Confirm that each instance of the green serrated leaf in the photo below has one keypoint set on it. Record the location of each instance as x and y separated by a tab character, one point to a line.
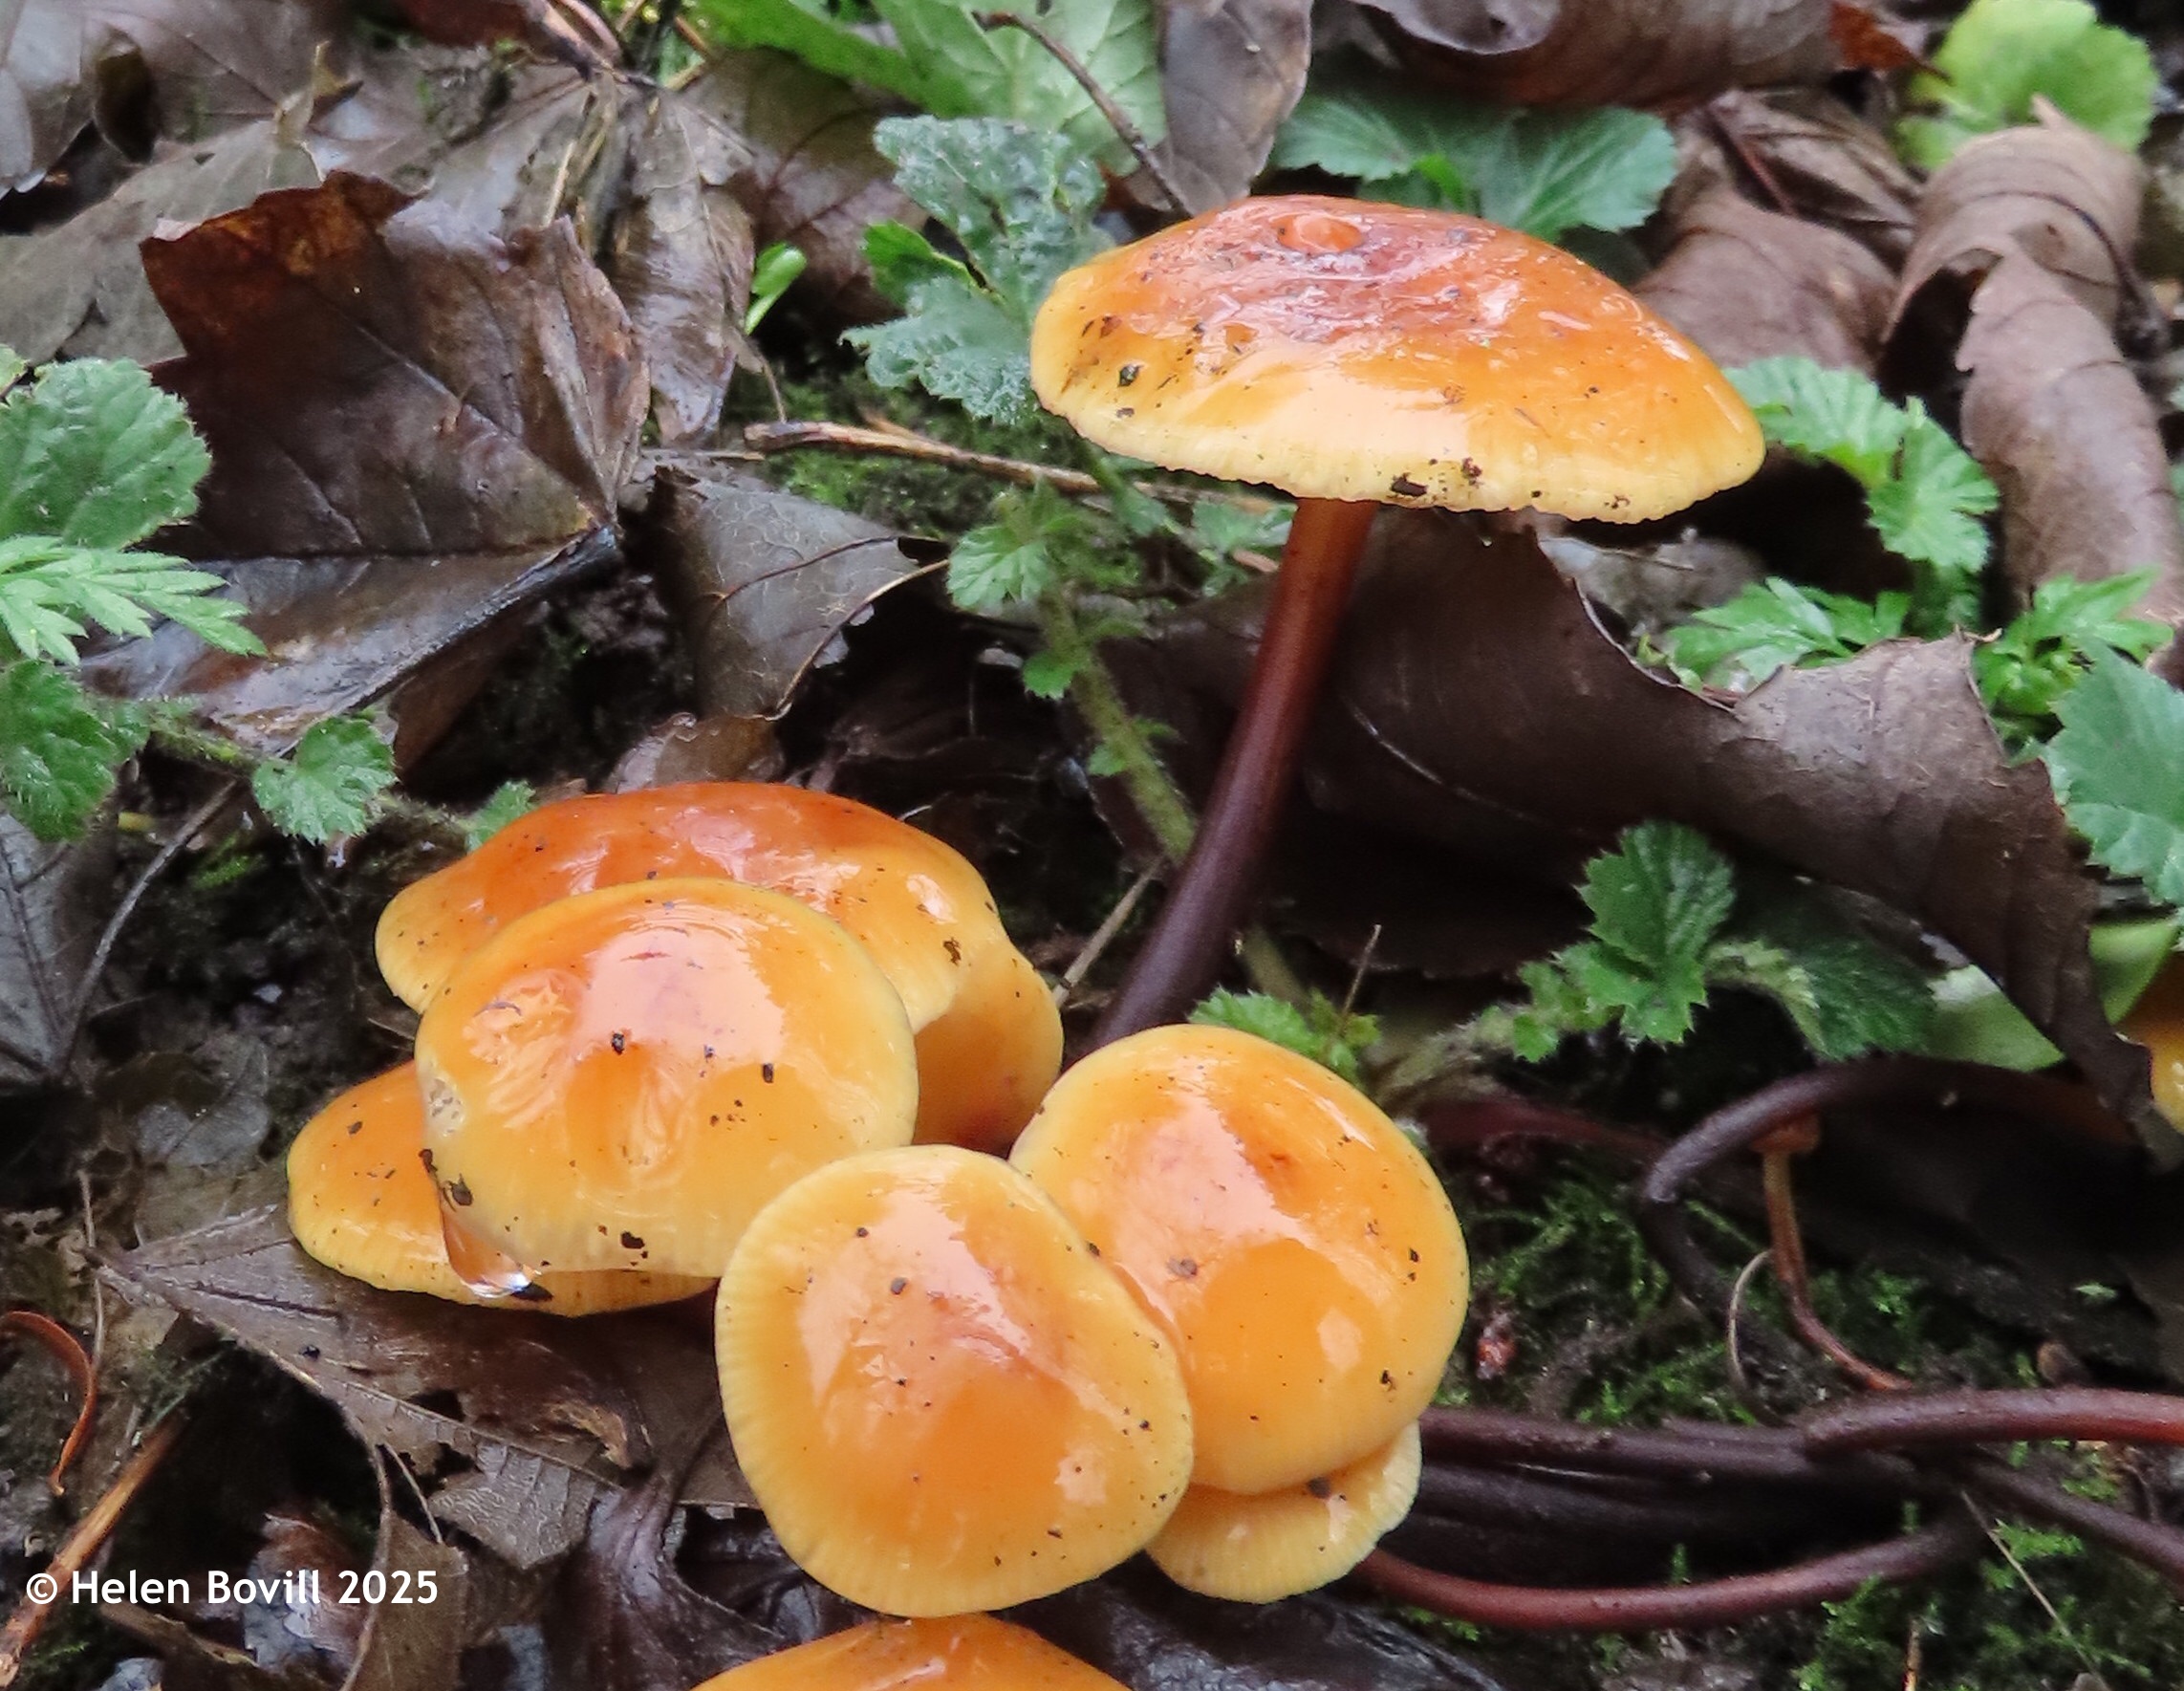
1544	172
1048	675
965	71
11	368
328	785
1014	559
60	748
806	31
2117	766
1323	1033
1848	994
1837	416
510	801
1660	895
94	455
48	588
1777	625
957	342
2001	54
1928	512
2023	672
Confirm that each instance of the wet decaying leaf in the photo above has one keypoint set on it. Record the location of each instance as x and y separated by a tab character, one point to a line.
45	99
1612	52
597	1399
770	582
1475	701
685	747
1830	164
563	29
415	427
1748	284
682	263
54	899
205	66
809	173
2062	196
2059	422
1230	72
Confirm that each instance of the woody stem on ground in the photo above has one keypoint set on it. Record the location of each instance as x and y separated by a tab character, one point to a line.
193	743
1155	794
1184	953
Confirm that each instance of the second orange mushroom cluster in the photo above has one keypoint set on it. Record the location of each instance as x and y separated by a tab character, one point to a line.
1197	1311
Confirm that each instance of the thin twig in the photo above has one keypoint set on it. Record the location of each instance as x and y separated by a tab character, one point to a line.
1102	936
103	952
795	435
82	1544
1116	117
2086	1414
1791	1274
66	1348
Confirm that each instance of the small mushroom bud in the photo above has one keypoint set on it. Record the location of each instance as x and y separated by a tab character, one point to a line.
940	1398
989	1040
1294	1245
1253	1550
960	1653
360	1201
623	1079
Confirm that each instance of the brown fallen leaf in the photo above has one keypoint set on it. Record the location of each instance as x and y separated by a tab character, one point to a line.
681	262
1230	72
2059	422
2057	193
685	747
1748	284
54	899
1476	702
547	1411
44	96
808	174
564	28
1829	163
205	66
1612	52
415	427
768	582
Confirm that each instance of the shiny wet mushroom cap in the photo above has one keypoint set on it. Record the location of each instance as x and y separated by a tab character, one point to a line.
1355	352
940	1398
959	1652
1254	1549
989	1040
624	1078
1298	1250
360	1201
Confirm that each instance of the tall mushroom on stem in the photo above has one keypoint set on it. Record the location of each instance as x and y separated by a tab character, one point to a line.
1356	356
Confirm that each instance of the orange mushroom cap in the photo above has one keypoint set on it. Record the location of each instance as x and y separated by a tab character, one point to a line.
360	1201
1297	1249
1253	1550
624	1078
918	906
941	1400
960	1653
1358	352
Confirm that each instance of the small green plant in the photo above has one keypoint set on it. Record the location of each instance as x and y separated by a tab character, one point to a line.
93	459
2040	655
771	274
2117	766
1663	938
2002	55
1543	172
1777	625
1321	1030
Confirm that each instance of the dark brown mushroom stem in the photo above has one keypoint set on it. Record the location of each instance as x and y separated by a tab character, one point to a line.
1956	1537
1785	1249
1181	956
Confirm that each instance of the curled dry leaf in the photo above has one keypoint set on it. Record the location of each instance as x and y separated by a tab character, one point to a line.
1612	52
681	262
1829	163
1748	284
44	96
2059	421
768	582
415	427
548	1410
2060	195
1230	72
808	174
54	899
1475	701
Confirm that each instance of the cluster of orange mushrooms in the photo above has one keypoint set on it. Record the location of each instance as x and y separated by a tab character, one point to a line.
775	1038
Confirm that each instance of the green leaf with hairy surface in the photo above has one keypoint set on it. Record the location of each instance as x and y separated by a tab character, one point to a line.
2026	669
1838	415
11	368
510	802
1321	1031
1848	994
1777	625
965	71
94	455
2117	766
60	748
1012	559
326	785
1048	674
1660	895
957	342
50	589
806	31
2000	55
1543	172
